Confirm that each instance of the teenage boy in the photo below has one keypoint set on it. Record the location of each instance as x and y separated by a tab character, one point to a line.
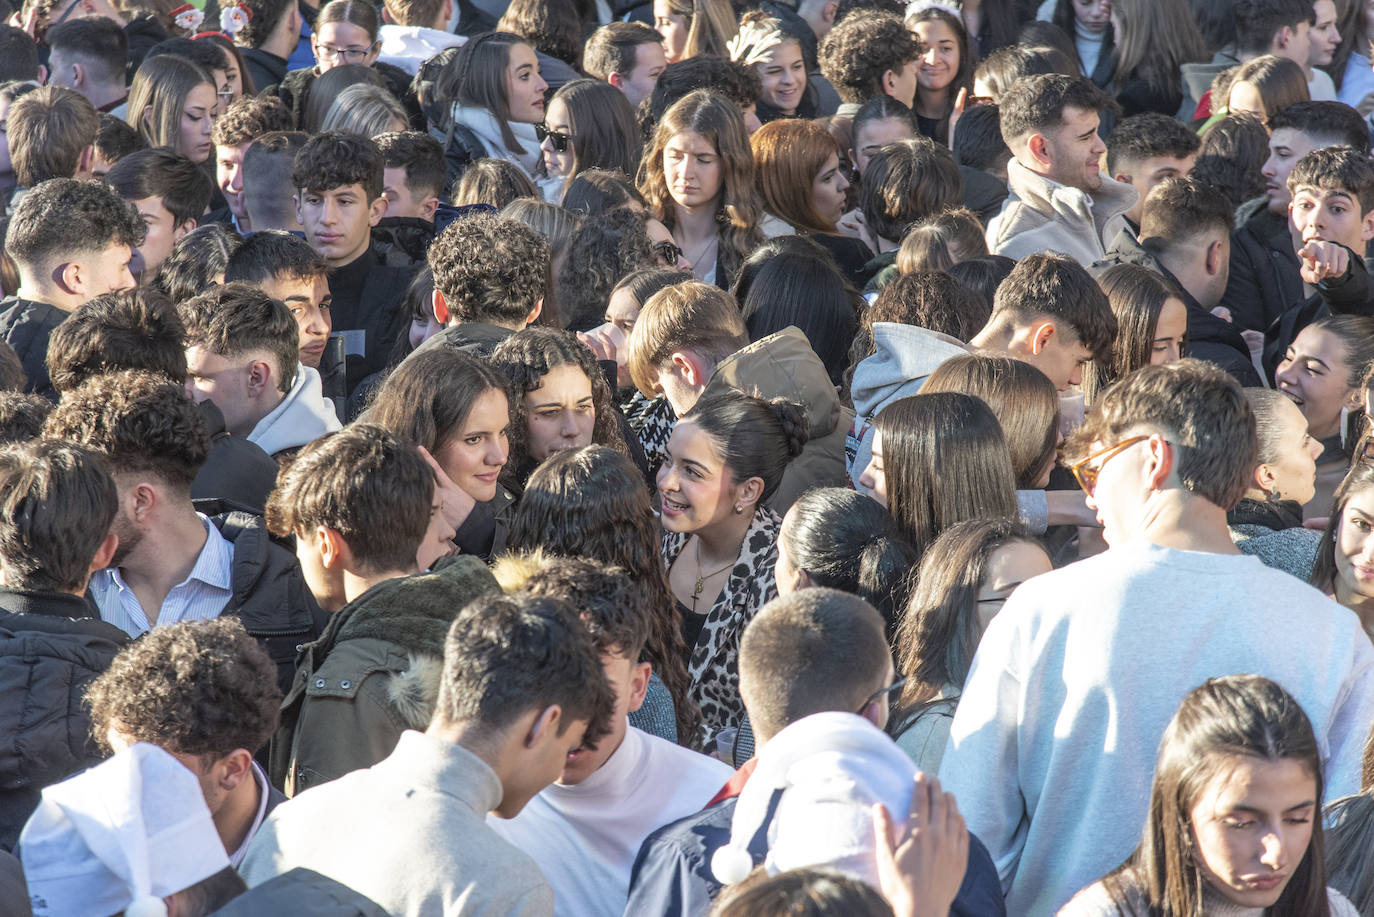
585	829
286	268
413	31
89	56
365	512
521	687
338	179
870	53
56	505
412	184
51	135
268	194
1050	313
1060	201
205	693
1264	279
267	39
629	56
243	122
170	193
1277	27
1144	150
70	241
242	353
174	564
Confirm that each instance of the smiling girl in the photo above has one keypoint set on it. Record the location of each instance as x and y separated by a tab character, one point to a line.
777	53
945	67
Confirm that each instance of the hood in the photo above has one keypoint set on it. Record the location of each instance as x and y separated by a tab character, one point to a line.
304	415
408	46
783	365
903	356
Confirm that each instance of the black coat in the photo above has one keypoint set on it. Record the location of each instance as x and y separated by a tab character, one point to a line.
237	473
1349	294
1264	280
26	326
265	69
52	646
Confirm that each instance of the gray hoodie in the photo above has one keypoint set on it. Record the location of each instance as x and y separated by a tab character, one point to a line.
304	415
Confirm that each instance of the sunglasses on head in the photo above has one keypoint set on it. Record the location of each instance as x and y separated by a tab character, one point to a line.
667	252
560	140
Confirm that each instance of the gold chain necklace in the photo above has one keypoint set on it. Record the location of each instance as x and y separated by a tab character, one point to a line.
702	578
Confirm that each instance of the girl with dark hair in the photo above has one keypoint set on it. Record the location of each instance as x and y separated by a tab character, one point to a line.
946	68
837	538
724	460
1233	151
554	29
622	311
776	49
559	400
878	122
589	125
1234	821
1152	326
593	191
1153	39
962	583
1089	24
918	442
591	502
494	182
1265	86
1343	556
990	24
172	103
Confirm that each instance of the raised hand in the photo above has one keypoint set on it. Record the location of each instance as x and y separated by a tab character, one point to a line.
920	873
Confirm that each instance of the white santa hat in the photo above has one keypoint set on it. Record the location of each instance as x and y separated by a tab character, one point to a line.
120	837
831	768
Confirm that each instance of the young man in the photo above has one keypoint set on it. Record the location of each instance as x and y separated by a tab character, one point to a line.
814	651
245	120
628	55
412	183
689	340
56	505
242	353
338	179
89	56
1264	279
1144	150
286	268
521	687
266	41
585	828
205	693
51	135
413	31
139	329
170	193
1163	456
1052	314
1185	237
70	241
1278	27
268	194
173	563
1059	200
365	511
904	182
22	417
869	54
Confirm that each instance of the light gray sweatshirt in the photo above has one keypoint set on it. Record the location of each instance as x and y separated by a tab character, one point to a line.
1052	750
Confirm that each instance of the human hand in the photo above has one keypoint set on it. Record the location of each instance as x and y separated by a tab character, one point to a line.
1323	260
921	873
454	502
1366	106
852	225
607	342
753	44
959	102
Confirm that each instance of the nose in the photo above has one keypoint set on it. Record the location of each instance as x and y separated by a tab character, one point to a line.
496	455
236	179
568	429
547	145
543	86
841	183
1283	375
1076	374
1270	168
867	479
667	479
1275	854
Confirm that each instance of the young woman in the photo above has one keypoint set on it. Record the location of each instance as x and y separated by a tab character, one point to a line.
918	443
497	98
496	182
839	539
622	311
693	28
455	405
1234	824
554	29
1322	373
939	242
1265	85
801	183
1152	326
589	125
1344	568
724	460
1154	39
698	178
559	400
591	502
1268	520
1231	157
962	583
991	24
172	104
1089	24
878	122
946	69
775	49
366	111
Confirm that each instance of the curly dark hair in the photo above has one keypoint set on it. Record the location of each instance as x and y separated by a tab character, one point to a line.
63	215
250	117
525	358
490	269
610	601
132	329
236	318
334	159
858	51
141	422
201	688
22	416
606	248
196	260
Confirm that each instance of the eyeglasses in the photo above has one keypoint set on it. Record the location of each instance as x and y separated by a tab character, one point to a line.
883	693
347	55
559	139
1087	477
667	252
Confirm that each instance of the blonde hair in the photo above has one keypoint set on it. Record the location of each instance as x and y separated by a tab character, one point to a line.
710	24
158	96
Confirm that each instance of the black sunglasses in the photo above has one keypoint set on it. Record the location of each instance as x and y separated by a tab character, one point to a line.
882	693
667	252
560	140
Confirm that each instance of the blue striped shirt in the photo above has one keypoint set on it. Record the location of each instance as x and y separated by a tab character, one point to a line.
200	597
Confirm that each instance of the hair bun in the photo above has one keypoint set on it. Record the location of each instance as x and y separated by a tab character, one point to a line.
796	425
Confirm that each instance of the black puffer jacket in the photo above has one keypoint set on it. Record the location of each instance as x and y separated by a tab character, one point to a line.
52	646
1264	280
26	326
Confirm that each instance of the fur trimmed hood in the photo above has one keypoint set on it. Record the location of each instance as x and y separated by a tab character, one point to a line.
414	691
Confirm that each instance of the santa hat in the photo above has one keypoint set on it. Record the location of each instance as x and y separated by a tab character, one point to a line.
120	837
830	769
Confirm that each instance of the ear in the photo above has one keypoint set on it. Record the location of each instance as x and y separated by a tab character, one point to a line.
428	209
544	725
801	580
639	685
105	553
441	313
1162	463
828	12
376	210
300	215
873	712
234	768
387	18
1283	37
535	312
1122	177
690	367
616	80
748	492
1264	478
259	377
889	81
68	277
42	75
183	229
1041	335
1367	225
1216	259
1038	147
86	162
334	551
143	500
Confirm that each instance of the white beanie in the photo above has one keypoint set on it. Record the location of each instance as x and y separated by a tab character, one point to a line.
831	768
120	836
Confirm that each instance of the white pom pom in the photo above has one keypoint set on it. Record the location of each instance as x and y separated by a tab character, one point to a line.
729	864
146	907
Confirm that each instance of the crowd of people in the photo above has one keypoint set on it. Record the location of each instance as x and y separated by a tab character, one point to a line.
582	458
